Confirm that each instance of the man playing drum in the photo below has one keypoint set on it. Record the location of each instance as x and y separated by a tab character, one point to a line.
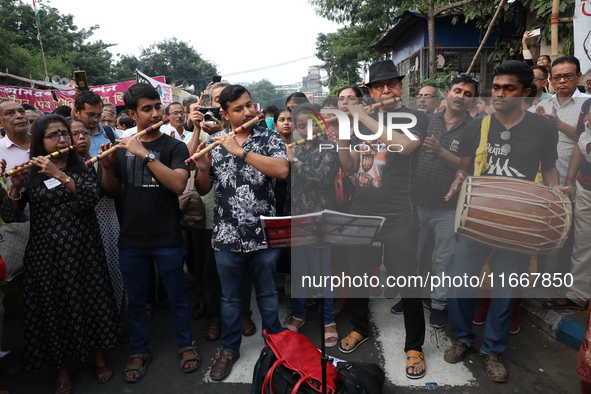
516	143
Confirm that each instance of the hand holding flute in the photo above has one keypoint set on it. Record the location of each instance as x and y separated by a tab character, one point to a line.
202	150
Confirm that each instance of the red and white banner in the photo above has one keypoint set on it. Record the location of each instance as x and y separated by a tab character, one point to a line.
112	93
582	30
38	98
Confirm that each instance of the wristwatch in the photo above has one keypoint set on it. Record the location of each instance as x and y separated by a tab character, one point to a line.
67	180
149	157
295	160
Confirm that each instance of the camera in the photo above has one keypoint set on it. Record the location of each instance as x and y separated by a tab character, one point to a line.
211	112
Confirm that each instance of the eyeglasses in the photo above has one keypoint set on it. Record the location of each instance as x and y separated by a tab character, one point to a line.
108	122
539	79
177	113
379	86
567	77
468	76
99	116
77	133
505	136
65	134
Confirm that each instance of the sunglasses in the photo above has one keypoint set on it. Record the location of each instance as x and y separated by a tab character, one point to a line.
505	136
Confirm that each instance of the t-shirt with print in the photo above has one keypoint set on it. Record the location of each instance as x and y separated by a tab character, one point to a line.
385	180
532	140
150	216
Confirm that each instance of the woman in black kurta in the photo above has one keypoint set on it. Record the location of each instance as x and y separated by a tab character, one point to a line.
69	305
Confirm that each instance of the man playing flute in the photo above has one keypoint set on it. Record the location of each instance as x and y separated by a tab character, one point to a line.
149	172
242	169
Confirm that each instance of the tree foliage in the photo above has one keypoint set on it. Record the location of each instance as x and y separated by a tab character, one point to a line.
265	93
66	47
169	57
367	20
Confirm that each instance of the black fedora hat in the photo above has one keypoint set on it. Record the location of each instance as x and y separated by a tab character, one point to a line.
382	71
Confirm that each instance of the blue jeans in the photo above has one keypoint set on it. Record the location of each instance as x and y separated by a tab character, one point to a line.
441	222
306	260
468	259
233	268
135	265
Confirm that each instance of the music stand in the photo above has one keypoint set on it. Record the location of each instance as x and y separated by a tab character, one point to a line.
320	229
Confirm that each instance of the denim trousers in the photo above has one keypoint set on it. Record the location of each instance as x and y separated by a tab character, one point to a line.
233	268
441	222
310	260
135	265
468	258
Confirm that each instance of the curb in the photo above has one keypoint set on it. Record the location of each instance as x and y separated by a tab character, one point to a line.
565	325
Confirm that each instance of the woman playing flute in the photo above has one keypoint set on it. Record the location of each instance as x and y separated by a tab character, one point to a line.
68	307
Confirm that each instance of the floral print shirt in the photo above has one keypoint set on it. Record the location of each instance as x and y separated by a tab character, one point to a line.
242	193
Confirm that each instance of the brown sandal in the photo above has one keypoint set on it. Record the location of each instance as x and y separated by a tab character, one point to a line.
353	340
418	357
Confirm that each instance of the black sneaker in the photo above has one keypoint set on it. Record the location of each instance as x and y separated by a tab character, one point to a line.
438	318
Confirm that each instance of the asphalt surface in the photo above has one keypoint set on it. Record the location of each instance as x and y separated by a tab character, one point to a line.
536	363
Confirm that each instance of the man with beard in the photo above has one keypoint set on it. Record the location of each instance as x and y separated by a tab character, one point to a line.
438	162
242	169
428	99
391	194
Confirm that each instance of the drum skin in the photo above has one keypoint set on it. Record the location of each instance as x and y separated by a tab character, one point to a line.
512	214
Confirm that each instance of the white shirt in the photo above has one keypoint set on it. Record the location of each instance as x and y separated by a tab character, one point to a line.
569	114
13	154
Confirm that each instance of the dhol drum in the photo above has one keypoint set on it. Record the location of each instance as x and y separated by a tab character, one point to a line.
513	214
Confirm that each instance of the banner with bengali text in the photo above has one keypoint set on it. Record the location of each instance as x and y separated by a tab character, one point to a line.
38	98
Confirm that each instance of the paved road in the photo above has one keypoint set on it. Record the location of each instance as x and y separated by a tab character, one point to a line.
536	362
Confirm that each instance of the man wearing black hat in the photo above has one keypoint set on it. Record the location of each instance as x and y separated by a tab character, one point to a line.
384	165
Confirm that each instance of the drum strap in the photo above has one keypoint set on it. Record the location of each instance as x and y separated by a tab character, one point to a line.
480	163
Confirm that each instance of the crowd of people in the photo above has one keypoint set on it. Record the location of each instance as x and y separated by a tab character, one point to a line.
97	251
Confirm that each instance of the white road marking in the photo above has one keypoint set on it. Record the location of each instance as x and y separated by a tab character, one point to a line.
390	337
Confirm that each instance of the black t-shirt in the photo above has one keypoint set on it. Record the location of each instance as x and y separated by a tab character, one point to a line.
151	216
532	140
385	180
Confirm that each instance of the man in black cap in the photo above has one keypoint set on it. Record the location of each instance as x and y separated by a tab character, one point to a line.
384	164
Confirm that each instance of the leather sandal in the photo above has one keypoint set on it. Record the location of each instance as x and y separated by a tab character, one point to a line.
186	359
293	327
330	338
222	366
102	372
495	369
419	356
353	340
141	369
213	331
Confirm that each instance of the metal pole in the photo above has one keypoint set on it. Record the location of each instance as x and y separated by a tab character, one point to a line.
42	51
